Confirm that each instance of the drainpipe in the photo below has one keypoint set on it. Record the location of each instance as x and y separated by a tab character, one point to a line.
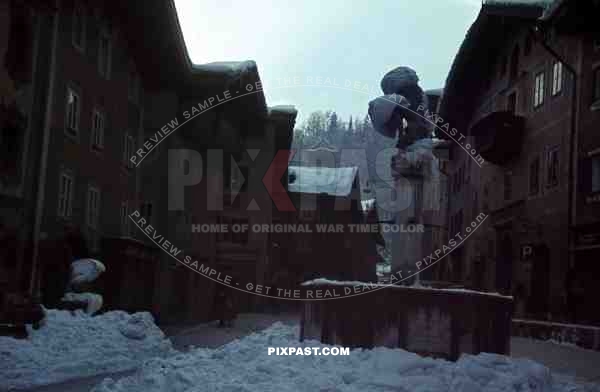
34	287
572	132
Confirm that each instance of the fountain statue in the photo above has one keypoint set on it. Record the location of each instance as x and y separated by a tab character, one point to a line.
401	113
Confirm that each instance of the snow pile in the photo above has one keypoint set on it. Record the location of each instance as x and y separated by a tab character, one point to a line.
94	301
85	271
77	345
245	366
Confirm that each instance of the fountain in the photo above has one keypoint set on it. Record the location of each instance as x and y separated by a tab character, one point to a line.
401	113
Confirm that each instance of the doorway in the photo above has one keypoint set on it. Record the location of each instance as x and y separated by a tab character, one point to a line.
504	262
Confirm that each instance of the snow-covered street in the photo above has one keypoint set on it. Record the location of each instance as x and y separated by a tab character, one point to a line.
565	359
203	363
244	365
203	335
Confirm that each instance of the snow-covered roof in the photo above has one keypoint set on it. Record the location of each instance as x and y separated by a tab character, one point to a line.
336	181
285	109
321	146
551	9
227	67
477	52
437	92
532	3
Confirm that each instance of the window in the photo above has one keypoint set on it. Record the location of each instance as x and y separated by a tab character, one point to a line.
78	29
458	221
511	104
134	87
534	177
98	123
596	174
65	195
73	108
552	165
528	44
418	198
557	78
461	177
303	242
125	221
507	185
503	66
236	176
596	95
538	92
514	64
146	210
454	182
104	55
93	207
184	226
93	216
230	236
128	150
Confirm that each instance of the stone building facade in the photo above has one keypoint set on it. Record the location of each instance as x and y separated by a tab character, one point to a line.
87	79
510	98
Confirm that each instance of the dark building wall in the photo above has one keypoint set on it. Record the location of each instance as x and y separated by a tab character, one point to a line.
104	169
581	279
32	37
588	206
503	191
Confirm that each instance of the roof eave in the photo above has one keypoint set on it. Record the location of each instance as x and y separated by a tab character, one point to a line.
451	101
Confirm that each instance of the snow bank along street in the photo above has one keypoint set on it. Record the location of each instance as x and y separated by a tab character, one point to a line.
76	345
245	366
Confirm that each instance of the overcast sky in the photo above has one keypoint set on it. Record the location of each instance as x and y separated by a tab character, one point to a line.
334	41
